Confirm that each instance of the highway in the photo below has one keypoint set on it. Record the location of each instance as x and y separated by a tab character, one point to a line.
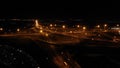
63	47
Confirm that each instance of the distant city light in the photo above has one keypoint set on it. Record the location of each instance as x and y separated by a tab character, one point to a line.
18	29
98	26
41	31
63	26
92	38
114	37
78	26
105	30
70	31
38	67
41	27
105	25
1	29
36	24
55	25
73	26
99	35
115	28
85	33
65	63
117	25
84	28
51	25
46	35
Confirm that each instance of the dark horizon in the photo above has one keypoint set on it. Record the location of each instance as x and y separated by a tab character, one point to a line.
63	13
62	10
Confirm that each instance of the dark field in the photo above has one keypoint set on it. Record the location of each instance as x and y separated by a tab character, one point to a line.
39	53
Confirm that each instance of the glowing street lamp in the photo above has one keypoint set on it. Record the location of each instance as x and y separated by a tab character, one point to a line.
41	31
84	28
86	33
63	26
18	29
1	29
78	26
51	25
36	24
117	25
46	35
55	25
71	31
98	26
99	35
40	27
105	25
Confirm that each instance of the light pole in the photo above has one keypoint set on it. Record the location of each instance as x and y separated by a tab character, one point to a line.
105	26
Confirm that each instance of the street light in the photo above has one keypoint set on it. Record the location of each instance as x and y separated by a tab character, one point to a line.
55	25
41	31
78	26
46	34
1	29
86	33
117	25
18	29
41	27
84	28
51	25
71	31
105	25
63	26
98	26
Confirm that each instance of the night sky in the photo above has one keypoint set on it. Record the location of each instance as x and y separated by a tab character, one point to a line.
61	9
